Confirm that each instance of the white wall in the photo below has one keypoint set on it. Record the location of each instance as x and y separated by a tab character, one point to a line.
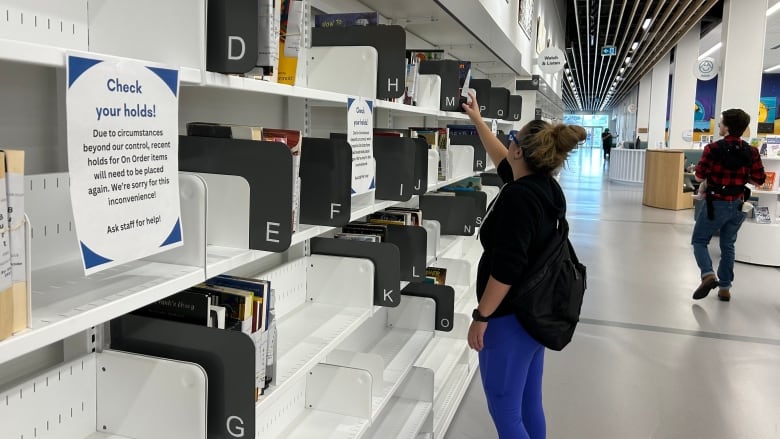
553	13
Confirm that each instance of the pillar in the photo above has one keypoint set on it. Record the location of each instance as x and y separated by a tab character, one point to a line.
684	88
643	107
659	100
742	58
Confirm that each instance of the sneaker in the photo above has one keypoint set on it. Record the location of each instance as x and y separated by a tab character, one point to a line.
708	283
724	295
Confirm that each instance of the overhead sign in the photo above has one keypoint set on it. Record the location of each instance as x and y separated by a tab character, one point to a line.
123	159
706	69
608	51
551	60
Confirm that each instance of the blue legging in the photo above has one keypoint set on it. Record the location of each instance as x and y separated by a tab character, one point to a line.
511	364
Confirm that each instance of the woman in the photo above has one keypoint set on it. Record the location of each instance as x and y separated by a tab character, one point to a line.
514	232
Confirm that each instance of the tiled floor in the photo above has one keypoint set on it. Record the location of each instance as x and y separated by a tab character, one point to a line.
647	361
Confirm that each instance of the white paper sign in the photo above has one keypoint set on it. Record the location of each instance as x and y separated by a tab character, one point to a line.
360	135
123	159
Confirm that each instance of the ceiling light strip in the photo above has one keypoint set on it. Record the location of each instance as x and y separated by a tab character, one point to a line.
622	48
672	40
660	20
606	62
661	46
580	73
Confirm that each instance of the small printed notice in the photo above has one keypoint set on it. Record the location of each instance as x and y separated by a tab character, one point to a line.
123	159
360	135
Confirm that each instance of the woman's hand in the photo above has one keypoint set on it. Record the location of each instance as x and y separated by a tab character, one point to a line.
477	335
472	109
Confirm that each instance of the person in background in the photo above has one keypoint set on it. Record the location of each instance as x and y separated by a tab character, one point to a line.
606	142
514	232
726	166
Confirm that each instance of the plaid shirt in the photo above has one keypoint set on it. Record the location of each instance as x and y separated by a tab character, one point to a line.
714	172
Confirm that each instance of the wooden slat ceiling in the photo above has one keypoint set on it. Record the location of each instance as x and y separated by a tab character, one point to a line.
643	31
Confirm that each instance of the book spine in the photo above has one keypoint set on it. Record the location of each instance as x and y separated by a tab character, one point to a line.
14	160
6	273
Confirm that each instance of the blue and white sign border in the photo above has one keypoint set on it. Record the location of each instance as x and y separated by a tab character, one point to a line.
77	65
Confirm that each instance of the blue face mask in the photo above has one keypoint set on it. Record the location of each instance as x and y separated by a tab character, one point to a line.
513	137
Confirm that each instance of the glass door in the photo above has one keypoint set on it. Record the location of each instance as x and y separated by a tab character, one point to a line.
594	137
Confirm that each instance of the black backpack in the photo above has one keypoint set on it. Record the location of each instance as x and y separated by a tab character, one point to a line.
548	302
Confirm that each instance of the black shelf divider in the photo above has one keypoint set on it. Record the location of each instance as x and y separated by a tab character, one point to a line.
515	108
387	264
228	358
482	88
480	155
395	167
267	166
390	44
443	295
412	244
231	37
491	179
457	215
499	103
420	167
449	71
480	200
326	180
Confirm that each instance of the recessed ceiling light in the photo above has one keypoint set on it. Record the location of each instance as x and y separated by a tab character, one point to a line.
628	59
622	69
647	23
635	45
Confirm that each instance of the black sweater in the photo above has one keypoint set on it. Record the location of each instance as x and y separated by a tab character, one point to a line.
516	229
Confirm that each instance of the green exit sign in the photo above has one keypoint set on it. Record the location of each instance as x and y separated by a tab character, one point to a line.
608	51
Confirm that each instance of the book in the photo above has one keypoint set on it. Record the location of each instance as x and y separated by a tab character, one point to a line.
270	364
268	34
346	20
237	303
14	177
366	229
387	217
217	316
191	307
762	215
6	273
769	183
462	130
358	237
225	131
418	56
470	184
437	273
294	141
415	214
289	40
258	288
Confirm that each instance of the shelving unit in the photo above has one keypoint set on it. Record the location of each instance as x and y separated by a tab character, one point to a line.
345	367
758	243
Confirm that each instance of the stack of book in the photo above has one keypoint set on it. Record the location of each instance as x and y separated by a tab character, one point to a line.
291	138
374	228
228	303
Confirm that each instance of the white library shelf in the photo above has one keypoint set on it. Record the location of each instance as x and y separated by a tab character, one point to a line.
345	368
